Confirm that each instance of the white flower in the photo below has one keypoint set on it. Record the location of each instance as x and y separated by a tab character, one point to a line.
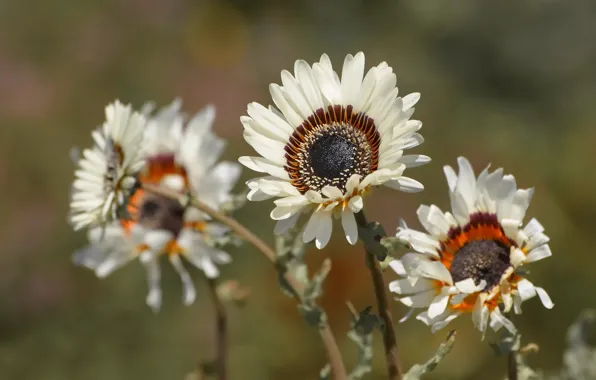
468	260
328	142
182	156
106	173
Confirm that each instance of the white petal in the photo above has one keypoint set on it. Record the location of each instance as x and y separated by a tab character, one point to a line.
414	160
497	320
468	286
538	253
189	287
405	184
262	165
308	84
324	230
332	192
398	267
410	100
544	298
279	98
292	201
451	177
466	183
269	120
284	212
438	305
537	240
441	324
351	78
404	286
520	203
270	149
356	203
349	224
434	269
352	183
295	95
525	290
282	226
517	257
310	231
420	300
153	299
533	227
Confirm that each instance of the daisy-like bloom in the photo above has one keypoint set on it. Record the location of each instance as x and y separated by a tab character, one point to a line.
183	157
106	173
470	260
329	141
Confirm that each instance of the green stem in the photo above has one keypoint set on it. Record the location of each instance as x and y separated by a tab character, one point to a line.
394	369
221	323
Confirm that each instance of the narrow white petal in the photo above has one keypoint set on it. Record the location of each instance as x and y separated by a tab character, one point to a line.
282	226
153	299
533	227
324	230
410	100
538	253
285	212
332	192
451	177
441	324
404	286
398	267
438	305
188	286
405	184
356	203
349	224
351	78
525	290
414	160
544	298
310	231
420	300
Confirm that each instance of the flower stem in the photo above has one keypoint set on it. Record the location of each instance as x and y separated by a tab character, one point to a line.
221	322
512	365
333	353
389	339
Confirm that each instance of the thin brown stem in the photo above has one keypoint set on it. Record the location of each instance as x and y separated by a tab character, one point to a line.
333	353
512	365
394	369
221	331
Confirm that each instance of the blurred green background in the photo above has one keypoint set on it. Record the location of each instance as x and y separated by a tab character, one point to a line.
507	82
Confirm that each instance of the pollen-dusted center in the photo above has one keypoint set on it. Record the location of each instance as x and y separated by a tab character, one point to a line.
480	260
157	212
330	147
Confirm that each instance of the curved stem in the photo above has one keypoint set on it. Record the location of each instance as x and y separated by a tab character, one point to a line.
221	324
333	353
394	369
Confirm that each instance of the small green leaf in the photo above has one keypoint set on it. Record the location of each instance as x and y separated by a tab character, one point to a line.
416	372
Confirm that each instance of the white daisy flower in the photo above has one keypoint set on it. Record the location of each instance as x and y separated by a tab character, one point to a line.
181	156
329	141
106	173
468	260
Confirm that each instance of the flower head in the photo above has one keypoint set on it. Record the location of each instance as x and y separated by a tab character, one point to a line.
183	157
469	260
105	176
329	141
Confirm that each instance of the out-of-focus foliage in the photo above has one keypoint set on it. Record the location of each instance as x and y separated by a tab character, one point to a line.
507	82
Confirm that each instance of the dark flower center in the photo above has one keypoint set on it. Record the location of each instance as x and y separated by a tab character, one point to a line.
330	147
481	260
157	212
